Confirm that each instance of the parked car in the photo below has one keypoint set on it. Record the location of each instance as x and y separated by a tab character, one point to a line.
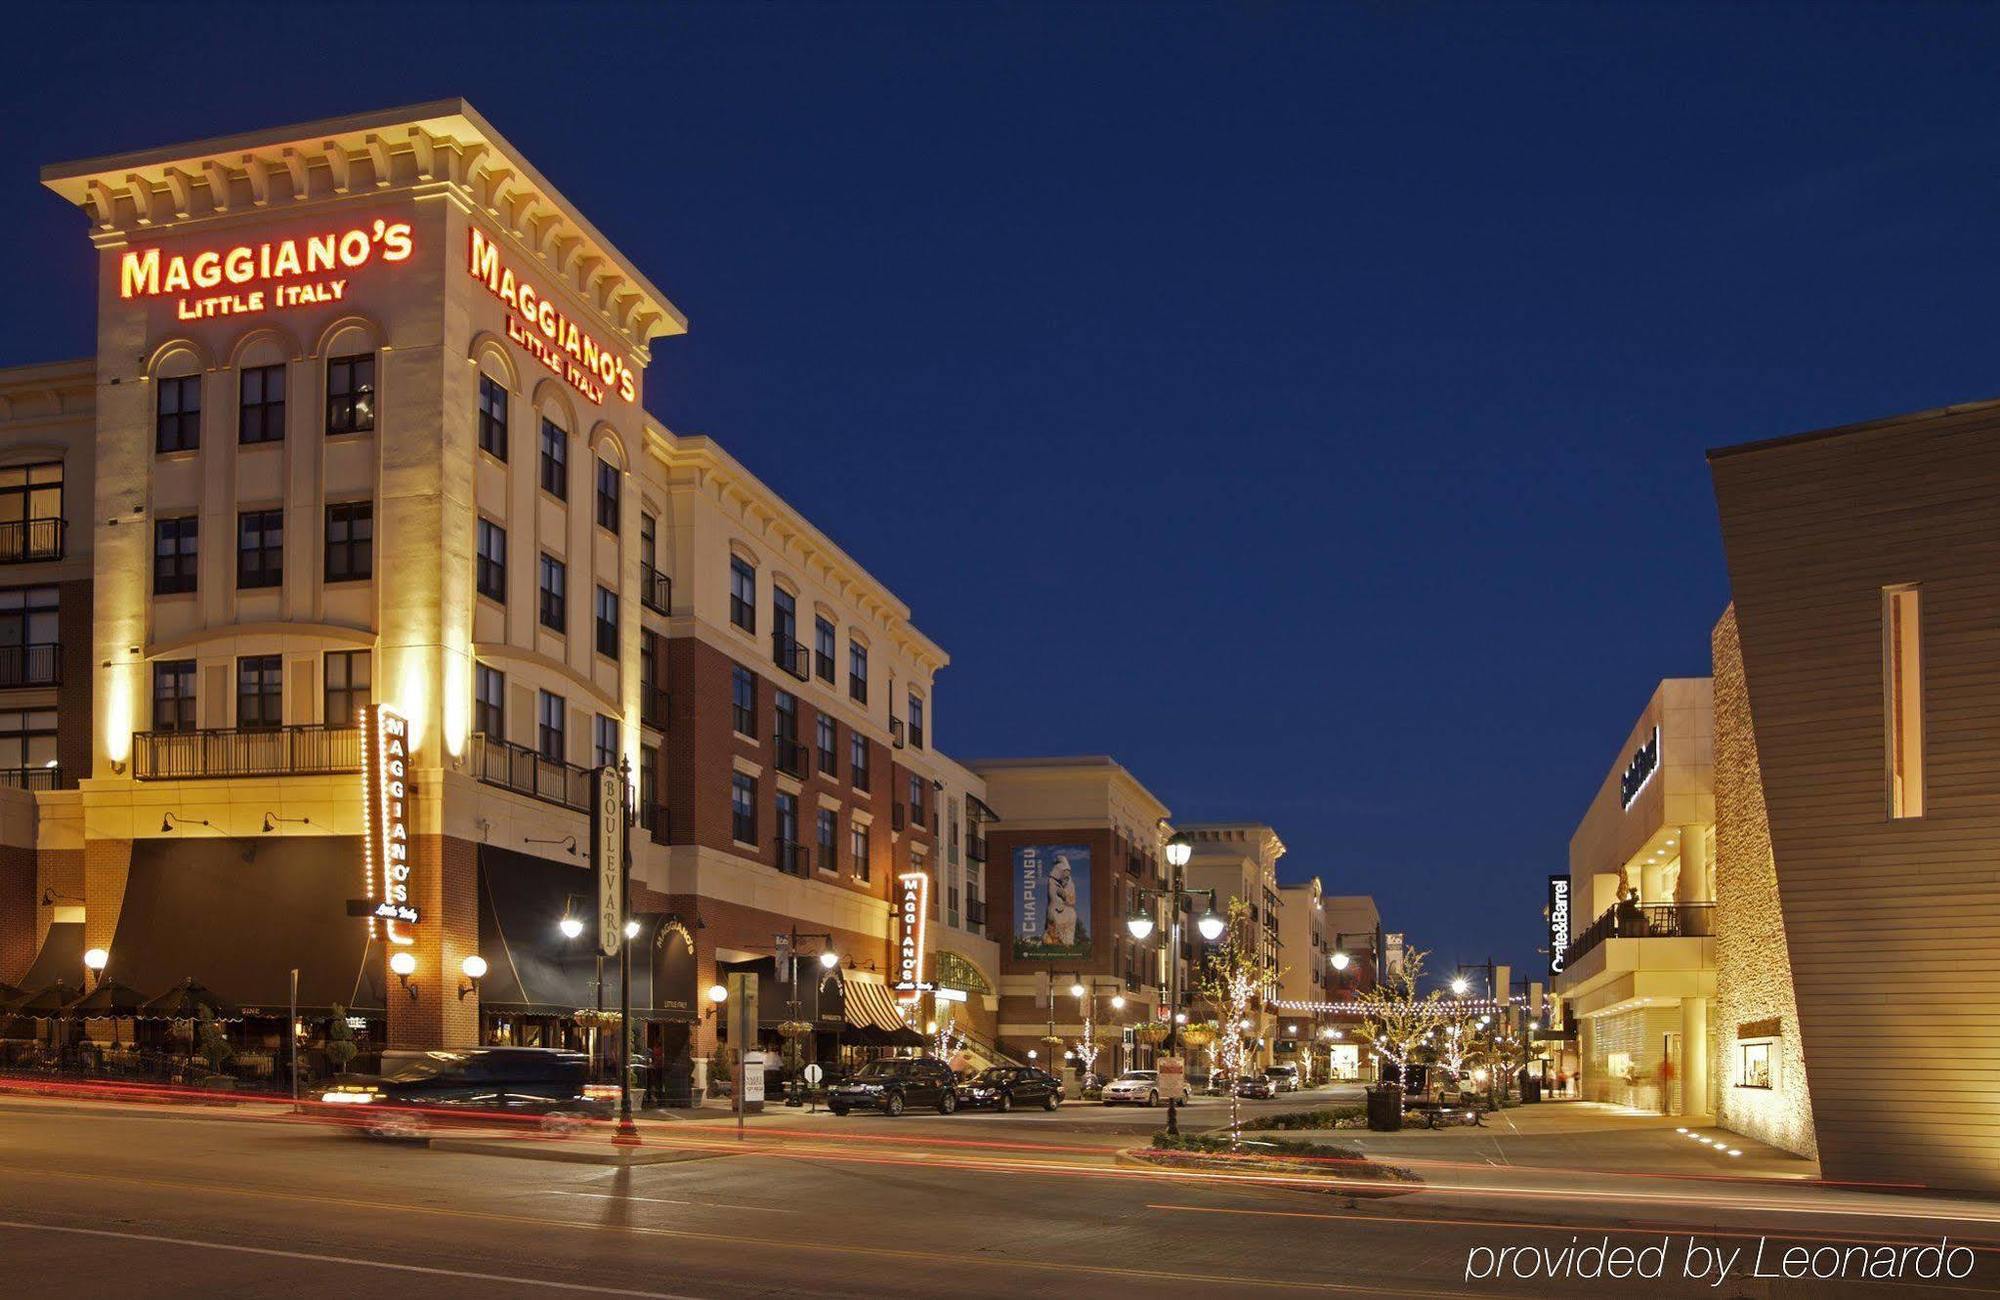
1003	1087
894	1084
1134	1087
418	1090
1257	1086
1284	1077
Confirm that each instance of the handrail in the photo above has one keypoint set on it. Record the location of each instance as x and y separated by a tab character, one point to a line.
23	541
1628	920
38	663
302	749
526	771
656	589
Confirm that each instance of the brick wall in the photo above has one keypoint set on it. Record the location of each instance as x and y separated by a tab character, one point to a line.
444	886
19	904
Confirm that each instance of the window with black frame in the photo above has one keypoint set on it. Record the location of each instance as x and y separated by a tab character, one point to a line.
742	593
827	738
786	826
608	481
349	687
604	742
260	404
177	414
260	692
555	460
260	549
554	609
173	695
743	808
857	760
857	672
823	649
489	702
743	701
607	622
350	541
31	511
829	828
490	565
28	747
29	628
551	724
492	417
350	393
858	850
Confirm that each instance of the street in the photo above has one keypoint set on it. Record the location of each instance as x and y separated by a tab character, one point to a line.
102	1199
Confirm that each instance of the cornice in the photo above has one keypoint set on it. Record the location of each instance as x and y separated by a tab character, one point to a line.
425	148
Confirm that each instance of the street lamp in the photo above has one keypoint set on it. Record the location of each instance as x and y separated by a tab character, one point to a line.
829	959
94	962
1076	990
570	927
1459	985
1140	924
1211	925
1341	961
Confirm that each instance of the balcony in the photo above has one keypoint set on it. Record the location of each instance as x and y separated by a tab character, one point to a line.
975	915
49	776
975	848
304	750
791	757
25	541
1644	921
656	590
526	771
653	705
38	664
792	859
791	655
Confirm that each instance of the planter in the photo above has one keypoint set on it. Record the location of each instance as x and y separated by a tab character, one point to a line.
1385	1108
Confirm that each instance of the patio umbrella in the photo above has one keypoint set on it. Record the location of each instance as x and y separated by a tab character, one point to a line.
185	1000
43	1003
109	998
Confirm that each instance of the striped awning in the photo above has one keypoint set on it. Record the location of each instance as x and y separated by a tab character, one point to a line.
872	1006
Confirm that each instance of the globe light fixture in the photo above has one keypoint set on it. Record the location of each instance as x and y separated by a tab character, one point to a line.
631	929
1076	990
1117	1001
570	927
1140	924
1179	849
1341	961
1211	925
829	959
96	959
403	964
474	967
1180	1017
1459	985
718	994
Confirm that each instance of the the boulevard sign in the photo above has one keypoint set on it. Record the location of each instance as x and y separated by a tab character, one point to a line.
244	278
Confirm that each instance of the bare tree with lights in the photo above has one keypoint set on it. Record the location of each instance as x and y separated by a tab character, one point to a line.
1395	1020
1233	981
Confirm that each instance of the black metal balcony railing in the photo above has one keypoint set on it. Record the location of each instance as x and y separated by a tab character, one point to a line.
975	914
23	541
975	848
656	589
792	858
1645	921
47	776
37	664
301	750
791	655
791	757
653	705
526	771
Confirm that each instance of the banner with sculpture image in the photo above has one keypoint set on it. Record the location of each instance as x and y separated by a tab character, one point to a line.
1052	902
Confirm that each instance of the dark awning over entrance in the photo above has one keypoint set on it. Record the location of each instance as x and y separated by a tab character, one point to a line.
61	958
820	994
238	915
532	969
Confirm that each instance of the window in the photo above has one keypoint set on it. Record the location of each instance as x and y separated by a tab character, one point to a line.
916	720
858	848
604	742
260	549
29	493
829	825
260	692
550	713
827	737
173	695
174	545
743	696
742	593
784	622
857	759
555	600
347	686
29	633
1754	1069
649	530
607	622
649	785
350	393
350	541
607	495
492	417
555	460
743	808
491	575
788	822
260	404
27	741
857	672
489	702
1903	689
823	649
177	420
916	801
785	711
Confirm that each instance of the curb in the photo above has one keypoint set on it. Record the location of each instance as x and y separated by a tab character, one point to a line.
571	1155
1130	1157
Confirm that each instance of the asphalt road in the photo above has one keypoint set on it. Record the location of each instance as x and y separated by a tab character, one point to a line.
175	1201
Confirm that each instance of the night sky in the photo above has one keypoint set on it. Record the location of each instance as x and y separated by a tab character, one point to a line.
1304	404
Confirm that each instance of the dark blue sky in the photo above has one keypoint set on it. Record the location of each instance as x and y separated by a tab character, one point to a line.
1302	403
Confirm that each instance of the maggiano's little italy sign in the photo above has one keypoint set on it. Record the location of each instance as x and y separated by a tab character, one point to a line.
385	759
242	279
552	337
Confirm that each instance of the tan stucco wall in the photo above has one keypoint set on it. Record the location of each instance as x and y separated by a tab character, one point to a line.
1753	975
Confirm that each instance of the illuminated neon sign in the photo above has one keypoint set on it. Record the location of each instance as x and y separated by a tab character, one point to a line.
1645	762
555	340
913	894
297	272
385	757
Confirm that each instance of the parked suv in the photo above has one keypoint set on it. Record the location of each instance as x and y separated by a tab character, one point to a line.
477	1085
1285	1078
894	1084
1004	1087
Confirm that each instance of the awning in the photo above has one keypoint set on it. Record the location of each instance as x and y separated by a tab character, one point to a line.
531	969
239	914
818	995
61	958
873	1006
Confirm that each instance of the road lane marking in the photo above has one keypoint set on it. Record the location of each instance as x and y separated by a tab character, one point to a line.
668	1200
342	1259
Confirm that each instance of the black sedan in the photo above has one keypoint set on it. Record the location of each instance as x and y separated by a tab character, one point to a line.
475	1086
895	1084
1003	1087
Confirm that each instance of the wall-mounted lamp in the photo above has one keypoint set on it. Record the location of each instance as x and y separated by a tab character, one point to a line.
631	929
272	821
403	965
717	995
570	926
50	897
170	822
567	841
475	970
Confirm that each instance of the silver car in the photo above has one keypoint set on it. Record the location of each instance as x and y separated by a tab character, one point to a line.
1134	1087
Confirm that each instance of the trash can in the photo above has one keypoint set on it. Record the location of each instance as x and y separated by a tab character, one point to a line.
1385	1108
1531	1088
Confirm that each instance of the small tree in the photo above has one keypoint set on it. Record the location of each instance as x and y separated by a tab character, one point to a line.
1395	1020
1233	981
213	1043
340	1045
1088	1044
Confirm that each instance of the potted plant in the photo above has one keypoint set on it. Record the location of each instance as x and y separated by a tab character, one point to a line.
214	1047
341	1048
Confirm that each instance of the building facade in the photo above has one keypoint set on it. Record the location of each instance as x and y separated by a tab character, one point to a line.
1238	861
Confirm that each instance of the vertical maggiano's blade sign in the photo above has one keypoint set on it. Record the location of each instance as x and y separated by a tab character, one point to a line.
301	271
913	909
385	760
540	326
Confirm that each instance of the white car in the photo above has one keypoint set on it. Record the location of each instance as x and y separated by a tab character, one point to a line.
1134	1087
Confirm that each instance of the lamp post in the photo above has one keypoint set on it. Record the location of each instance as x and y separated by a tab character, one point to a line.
1179	849
828	960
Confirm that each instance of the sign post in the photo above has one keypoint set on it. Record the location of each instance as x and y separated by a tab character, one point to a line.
608	844
742	1033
